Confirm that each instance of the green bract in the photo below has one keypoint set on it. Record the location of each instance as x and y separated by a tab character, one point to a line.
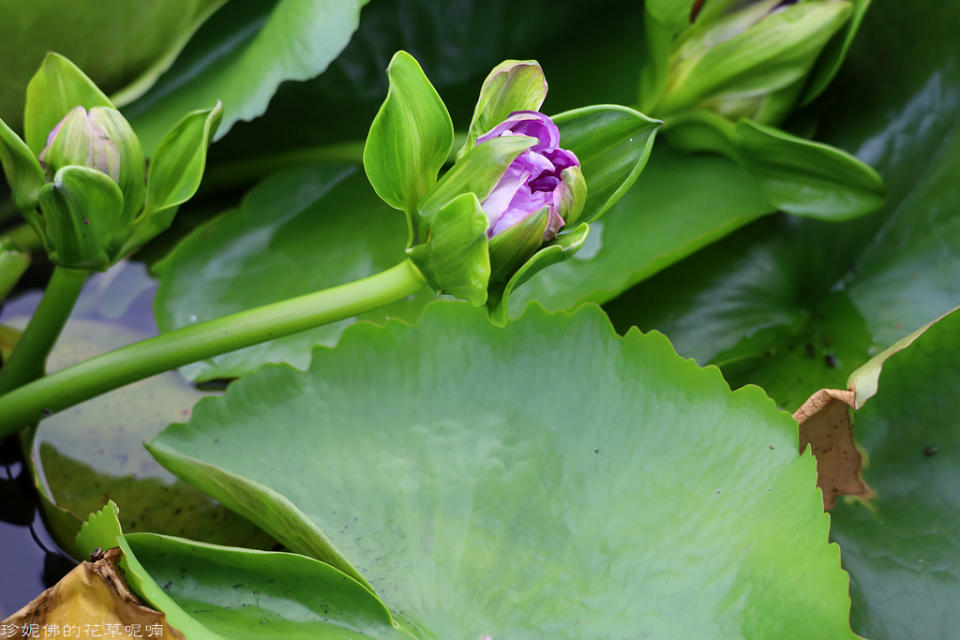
451	236
80	178
721	72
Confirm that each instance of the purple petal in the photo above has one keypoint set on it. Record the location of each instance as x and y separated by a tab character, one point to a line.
561	158
527	123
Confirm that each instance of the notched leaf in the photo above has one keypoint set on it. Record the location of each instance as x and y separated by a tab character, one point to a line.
825	426
94	599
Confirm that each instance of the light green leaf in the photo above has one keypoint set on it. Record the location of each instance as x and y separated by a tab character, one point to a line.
410	138
455	258
900	549
299	231
808	178
613	144
240	58
478	496
513	85
57	87
21	168
175	172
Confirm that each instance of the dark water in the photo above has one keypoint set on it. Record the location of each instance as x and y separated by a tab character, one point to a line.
30	561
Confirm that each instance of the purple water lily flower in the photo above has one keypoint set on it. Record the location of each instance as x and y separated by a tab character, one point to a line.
532	181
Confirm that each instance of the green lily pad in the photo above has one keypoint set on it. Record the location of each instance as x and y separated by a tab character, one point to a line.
215	592
901	549
798	305
299	231
529	482
240	57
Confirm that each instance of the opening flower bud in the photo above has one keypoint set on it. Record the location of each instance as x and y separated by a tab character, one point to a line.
748	58
100	139
543	176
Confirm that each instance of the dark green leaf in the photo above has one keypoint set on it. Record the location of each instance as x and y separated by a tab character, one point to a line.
900	549
241	56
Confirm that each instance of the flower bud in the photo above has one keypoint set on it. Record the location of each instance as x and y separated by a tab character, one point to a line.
535	179
747	59
99	139
541	189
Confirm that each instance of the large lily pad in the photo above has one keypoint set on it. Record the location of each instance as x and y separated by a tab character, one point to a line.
797	305
535	481
901	548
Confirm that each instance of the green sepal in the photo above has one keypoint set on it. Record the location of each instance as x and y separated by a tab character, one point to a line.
559	249
512	85
673	14
82	213
21	168
613	144
834	54
410	137
770	55
477	172
57	87
808	178
455	257
176	170
574	196
13	264
513	246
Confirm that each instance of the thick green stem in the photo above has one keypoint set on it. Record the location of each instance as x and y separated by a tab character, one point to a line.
30	355
103	373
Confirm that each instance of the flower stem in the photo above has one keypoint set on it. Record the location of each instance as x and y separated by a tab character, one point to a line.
23	237
167	351
30	354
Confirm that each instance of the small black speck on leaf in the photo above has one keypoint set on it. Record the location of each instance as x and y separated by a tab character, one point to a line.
929	451
830	360
85	220
596	450
46	411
